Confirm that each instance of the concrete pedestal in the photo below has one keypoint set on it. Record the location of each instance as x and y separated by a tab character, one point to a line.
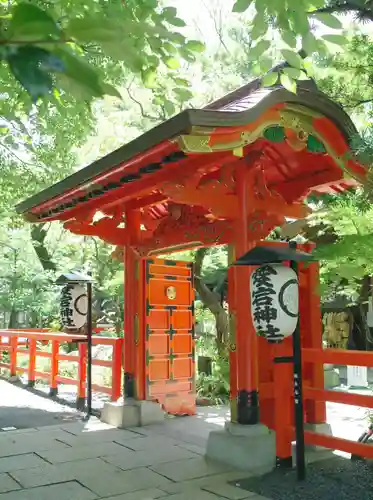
243	447
319	429
331	377
132	413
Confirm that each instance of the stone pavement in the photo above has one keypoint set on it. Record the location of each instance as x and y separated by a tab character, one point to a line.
84	461
87	461
23	409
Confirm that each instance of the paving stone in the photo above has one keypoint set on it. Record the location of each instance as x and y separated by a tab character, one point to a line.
199	495
93	425
64	491
203	482
123	482
144	431
19	462
101	436
11	431
148	442
189	469
199	450
33	438
8	449
140	495
8	484
79	453
68	471
148	457
227	491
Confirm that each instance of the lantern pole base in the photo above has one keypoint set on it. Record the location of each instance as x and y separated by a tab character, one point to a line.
129	385
284	462
248	407
243	447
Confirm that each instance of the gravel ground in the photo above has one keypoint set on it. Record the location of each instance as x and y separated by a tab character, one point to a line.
331	479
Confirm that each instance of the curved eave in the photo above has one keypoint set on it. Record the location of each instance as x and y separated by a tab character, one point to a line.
155	143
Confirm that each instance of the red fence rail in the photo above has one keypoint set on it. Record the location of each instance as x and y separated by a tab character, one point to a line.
32	344
340	357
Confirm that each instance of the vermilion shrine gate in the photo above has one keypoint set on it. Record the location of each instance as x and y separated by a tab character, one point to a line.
226	174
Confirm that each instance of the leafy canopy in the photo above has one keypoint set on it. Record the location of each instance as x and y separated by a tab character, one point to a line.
49	48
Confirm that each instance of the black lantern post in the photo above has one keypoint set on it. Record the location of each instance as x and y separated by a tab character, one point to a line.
271	255
68	280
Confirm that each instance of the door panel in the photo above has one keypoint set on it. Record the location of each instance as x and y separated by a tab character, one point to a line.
169	342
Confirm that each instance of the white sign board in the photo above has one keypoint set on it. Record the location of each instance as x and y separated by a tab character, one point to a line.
74	306
357	376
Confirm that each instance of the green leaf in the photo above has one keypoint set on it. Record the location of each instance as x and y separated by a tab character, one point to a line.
183	94
288	83
169	12
80	71
299	20
28	20
31	66
149	77
329	20
169	107
270	79
336	39
108	89
155	43
195	46
182	82
176	21
260	26
308	66
259	49
289	38
91	29
241	5
309	43
292	58
293	73
172	63
168	47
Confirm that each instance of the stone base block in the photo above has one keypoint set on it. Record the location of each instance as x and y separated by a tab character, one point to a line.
320	429
331	377
132	413
243	447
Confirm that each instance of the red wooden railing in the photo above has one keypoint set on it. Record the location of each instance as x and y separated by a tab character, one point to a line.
338	357
27	343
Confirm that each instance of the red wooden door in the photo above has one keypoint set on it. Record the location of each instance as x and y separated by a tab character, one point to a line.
169	335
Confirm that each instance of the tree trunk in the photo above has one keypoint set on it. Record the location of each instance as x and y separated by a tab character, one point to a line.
38	236
212	301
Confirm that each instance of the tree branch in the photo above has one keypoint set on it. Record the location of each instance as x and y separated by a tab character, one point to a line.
346	7
142	111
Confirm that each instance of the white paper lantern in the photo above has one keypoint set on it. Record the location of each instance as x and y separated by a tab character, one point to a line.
274	301
74	306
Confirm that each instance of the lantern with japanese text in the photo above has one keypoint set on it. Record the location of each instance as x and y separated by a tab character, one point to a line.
274	301
73	306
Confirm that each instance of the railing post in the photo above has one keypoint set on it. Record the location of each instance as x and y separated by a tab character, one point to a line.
31	363
82	377
13	342
117	369
53	390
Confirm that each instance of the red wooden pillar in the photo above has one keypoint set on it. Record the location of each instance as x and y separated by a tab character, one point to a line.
82	377
232	337
246	339
312	338
31	362
130	304
140	325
